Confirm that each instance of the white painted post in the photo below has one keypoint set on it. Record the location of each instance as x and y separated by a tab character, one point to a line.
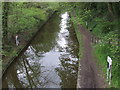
109	68
86	23
110	77
107	73
16	39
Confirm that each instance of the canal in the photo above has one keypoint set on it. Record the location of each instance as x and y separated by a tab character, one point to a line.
51	59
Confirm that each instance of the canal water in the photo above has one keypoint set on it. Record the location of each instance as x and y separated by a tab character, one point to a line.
51	59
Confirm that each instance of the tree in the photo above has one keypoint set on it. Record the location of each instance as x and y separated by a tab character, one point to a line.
5	18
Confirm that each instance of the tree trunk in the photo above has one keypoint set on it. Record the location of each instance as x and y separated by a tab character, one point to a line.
5	20
110	9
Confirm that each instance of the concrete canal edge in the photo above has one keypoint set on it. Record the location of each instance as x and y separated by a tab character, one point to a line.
23	48
78	35
80	42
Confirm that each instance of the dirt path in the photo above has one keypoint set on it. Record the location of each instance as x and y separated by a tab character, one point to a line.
89	74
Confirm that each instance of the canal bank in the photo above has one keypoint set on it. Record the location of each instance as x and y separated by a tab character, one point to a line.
18	50
80	47
89	74
50	61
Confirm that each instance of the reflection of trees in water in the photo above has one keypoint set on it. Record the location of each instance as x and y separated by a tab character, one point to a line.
31	66
45	40
69	61
73	42
68	72
38	76
14	80
26	73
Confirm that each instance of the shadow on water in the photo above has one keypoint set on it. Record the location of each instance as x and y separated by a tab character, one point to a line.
50	61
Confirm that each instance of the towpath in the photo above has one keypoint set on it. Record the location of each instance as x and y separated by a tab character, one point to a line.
90	75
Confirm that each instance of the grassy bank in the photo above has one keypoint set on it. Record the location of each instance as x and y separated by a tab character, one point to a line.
106	28
101	52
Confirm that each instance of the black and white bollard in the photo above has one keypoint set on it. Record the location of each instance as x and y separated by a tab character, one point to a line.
109	69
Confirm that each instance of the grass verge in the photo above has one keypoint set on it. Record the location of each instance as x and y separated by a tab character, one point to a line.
101	52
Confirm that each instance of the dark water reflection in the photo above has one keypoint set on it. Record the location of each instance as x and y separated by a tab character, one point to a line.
50	61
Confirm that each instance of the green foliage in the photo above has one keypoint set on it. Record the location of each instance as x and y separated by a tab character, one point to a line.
105	49
102	19
24	19
26	16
